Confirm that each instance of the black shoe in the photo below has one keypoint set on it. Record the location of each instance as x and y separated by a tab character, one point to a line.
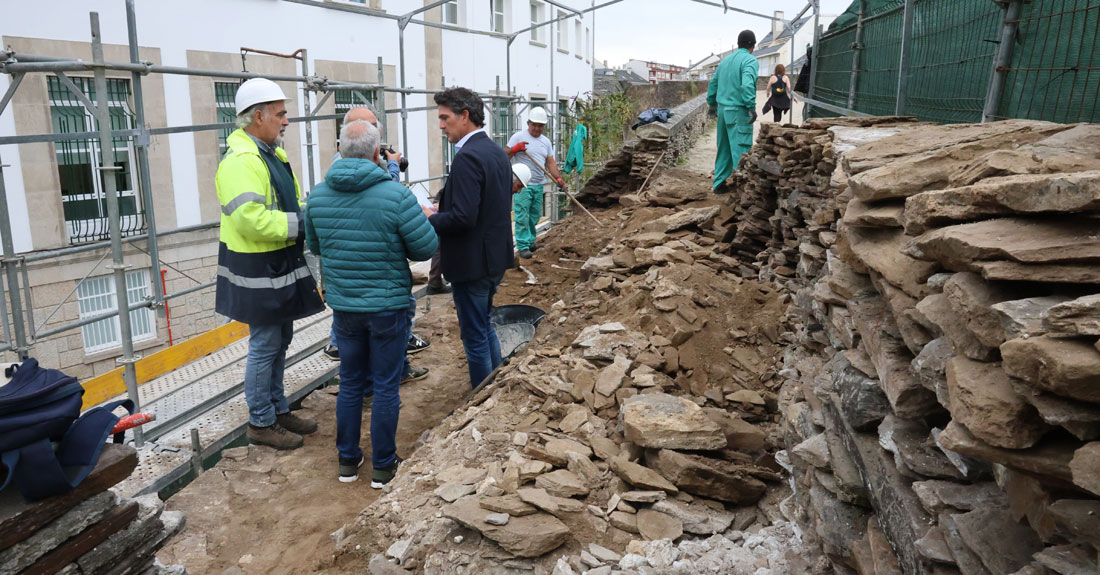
417	344
349	469
439	290
332	352
415	373
380	477
525	254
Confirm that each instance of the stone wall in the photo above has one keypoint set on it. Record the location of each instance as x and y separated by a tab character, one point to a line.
940	404
664	94
658	141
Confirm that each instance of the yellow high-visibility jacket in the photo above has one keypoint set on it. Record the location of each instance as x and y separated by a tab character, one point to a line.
262	273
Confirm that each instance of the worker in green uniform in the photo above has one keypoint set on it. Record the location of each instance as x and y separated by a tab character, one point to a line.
732	95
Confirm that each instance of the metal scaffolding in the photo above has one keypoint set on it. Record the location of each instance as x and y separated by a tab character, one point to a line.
22	333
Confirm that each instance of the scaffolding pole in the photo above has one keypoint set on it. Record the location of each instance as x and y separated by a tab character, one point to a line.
118	265
903	64
1003	59
141	146
857	47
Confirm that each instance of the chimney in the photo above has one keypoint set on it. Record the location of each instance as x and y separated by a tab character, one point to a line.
777	25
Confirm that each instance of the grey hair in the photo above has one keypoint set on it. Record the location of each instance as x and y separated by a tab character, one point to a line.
359	139
244	119
347	115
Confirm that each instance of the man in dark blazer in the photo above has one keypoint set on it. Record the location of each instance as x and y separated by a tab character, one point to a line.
474	225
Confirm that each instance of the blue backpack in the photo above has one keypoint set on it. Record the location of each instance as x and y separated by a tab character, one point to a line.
46	446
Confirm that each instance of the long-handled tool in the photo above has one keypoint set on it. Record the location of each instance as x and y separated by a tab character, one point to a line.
571	197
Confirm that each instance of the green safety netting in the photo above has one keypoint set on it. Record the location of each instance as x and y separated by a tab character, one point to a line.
1054	74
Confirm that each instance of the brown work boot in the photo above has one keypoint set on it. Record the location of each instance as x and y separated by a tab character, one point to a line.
275	436
295	424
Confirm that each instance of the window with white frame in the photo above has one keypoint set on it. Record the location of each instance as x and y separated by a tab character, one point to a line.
578	39
536	19
450	13
563	32
587	44
496	13
96	296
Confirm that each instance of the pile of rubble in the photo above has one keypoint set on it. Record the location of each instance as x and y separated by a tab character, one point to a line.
89	529
637	434
942	403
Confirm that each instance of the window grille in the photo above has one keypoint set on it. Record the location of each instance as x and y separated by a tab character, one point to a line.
225	94
345	100
83	194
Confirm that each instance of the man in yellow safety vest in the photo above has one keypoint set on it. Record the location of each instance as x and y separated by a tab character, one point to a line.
263	279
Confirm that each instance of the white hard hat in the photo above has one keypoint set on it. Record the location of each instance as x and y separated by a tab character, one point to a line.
522	172
537	115
257	91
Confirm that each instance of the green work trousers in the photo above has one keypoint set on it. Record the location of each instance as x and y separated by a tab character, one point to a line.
526	211
734	141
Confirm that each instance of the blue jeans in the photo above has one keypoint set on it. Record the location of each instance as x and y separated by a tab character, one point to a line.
263	372
473	302
412	322
372	347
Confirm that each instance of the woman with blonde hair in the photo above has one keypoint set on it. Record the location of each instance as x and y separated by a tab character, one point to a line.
780	95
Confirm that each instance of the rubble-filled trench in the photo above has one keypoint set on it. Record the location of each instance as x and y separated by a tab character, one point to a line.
637	433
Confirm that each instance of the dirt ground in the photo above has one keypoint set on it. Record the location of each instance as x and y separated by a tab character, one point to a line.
274	511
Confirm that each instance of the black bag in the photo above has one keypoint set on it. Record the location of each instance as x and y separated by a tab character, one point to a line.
46	446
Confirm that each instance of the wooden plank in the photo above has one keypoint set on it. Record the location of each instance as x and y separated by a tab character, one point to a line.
116	520
103	387
19	520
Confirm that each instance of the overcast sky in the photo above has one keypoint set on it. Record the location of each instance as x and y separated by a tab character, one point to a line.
688	30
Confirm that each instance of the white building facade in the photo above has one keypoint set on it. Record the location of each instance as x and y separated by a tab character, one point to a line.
55	200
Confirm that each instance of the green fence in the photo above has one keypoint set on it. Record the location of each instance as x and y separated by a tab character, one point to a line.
1054	72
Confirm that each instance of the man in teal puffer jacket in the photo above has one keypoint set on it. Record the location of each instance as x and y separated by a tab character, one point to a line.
365	227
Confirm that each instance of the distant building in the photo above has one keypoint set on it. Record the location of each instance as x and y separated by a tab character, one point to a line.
774	48
703	69
654	72
609	80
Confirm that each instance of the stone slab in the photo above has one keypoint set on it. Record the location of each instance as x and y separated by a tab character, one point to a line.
1029	241
1049	459
881	250
1020	194
1082	273
528	536
659	420
984	400
908	398
1085	467
707	477
1065	367
1003	544
1079	317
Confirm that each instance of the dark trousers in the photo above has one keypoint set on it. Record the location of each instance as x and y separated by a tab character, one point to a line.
435	273
473	303
372	352
777	114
